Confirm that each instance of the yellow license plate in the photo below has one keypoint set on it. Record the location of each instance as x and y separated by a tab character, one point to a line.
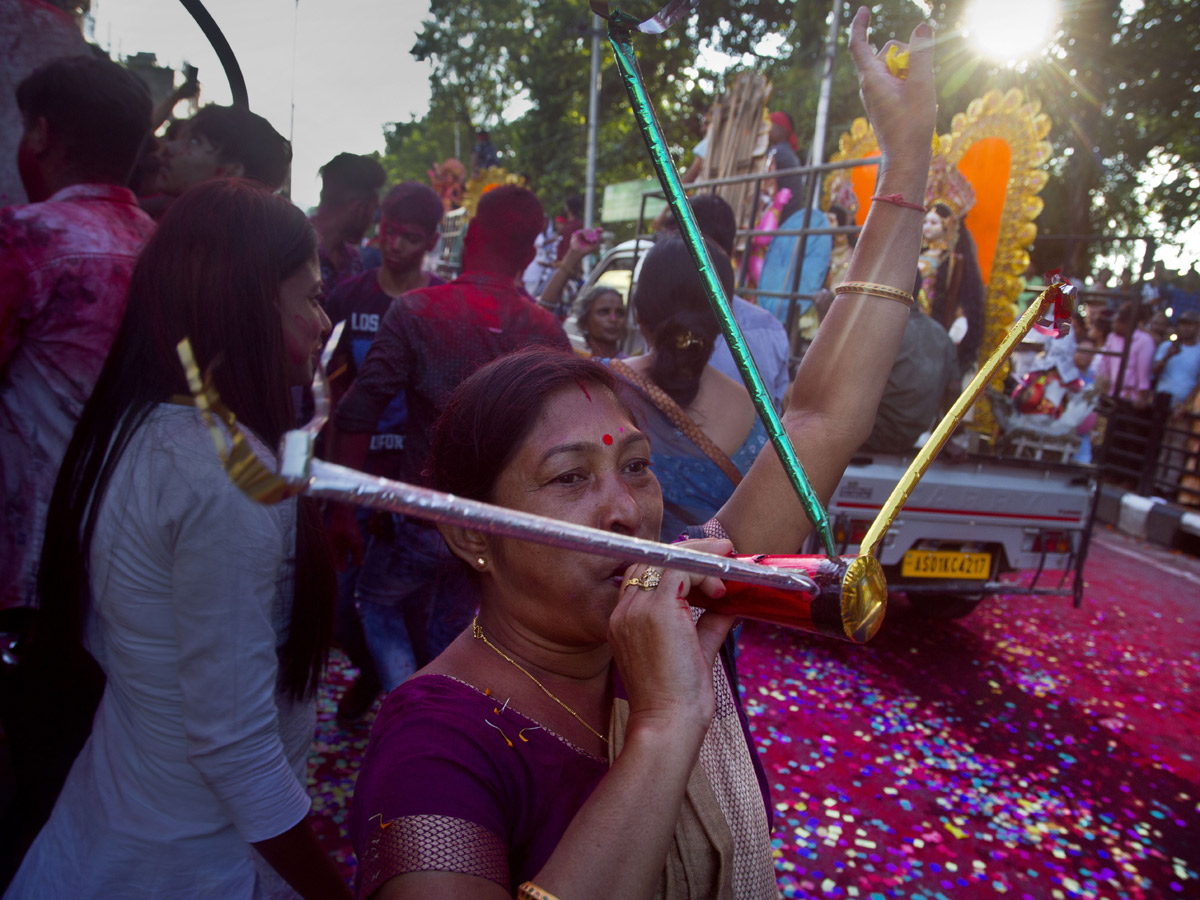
945	564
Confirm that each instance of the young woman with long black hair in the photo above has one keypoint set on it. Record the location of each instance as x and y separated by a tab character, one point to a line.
209	614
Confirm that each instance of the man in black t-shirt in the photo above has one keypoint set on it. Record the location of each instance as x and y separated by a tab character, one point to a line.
410	218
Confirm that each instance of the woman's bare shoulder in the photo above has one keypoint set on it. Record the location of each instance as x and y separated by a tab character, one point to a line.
723	410
724	386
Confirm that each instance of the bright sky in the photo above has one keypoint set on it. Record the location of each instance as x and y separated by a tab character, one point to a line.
354	72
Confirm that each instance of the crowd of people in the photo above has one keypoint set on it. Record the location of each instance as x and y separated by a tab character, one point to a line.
1133	355
1154	382
555	723
1160	323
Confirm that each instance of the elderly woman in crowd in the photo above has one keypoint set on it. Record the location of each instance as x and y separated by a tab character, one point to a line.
601	321
582	739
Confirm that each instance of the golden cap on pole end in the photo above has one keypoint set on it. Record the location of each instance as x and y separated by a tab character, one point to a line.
864	598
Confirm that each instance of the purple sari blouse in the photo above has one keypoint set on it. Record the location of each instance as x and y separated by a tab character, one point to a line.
454	781
441	788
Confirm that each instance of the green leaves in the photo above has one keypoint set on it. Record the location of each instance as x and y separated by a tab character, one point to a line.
1122	89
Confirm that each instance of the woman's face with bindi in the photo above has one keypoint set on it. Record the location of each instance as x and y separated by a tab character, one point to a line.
304	321
585	462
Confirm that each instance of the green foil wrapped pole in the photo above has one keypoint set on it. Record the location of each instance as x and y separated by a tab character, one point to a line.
619	37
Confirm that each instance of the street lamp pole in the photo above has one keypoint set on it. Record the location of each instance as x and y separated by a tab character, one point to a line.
589	199
818	144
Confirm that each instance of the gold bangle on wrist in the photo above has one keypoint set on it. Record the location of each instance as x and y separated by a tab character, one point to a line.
530	891
874	290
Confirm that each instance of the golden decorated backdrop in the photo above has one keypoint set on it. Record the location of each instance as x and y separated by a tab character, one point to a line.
999	146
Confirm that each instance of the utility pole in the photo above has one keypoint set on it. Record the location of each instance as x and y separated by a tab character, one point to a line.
816	156
589	196
286	188
818	144
292	118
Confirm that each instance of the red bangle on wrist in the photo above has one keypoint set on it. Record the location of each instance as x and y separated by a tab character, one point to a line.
897	200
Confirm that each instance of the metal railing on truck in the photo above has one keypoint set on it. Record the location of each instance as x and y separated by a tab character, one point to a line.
743	242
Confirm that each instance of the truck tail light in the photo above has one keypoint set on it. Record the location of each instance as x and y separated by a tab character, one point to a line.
854	534
1051	542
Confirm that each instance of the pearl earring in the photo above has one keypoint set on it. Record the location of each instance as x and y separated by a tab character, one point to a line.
482	562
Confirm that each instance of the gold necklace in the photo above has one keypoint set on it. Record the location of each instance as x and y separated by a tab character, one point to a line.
477	633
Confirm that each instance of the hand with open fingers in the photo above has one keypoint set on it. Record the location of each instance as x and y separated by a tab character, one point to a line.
665	659
901	108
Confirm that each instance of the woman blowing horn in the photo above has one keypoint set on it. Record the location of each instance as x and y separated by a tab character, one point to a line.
582	739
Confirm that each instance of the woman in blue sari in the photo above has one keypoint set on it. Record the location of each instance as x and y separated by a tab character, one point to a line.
701	423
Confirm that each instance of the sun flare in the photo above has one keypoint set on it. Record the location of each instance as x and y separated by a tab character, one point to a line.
1009	31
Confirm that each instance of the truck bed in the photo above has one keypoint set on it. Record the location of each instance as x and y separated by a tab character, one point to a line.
970	519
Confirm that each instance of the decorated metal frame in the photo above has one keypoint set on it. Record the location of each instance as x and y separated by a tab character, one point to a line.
999	145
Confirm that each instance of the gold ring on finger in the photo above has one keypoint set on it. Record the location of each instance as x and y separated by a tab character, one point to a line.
648	580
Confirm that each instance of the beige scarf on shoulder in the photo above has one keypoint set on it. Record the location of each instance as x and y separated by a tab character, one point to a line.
721	848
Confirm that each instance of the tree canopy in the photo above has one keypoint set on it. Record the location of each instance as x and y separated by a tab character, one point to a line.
1120	80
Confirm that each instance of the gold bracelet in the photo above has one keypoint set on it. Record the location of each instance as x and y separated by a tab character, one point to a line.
530	891
874	290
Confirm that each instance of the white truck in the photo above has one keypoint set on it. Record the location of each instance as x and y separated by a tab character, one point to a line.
971	520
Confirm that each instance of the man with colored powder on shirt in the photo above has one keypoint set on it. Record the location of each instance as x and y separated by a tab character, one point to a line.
65	263
408	229
416	599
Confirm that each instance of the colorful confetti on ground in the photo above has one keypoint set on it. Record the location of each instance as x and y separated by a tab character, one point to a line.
333	764
1030	750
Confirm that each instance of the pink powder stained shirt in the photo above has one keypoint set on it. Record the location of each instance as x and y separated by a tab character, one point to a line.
65	266
1137	370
